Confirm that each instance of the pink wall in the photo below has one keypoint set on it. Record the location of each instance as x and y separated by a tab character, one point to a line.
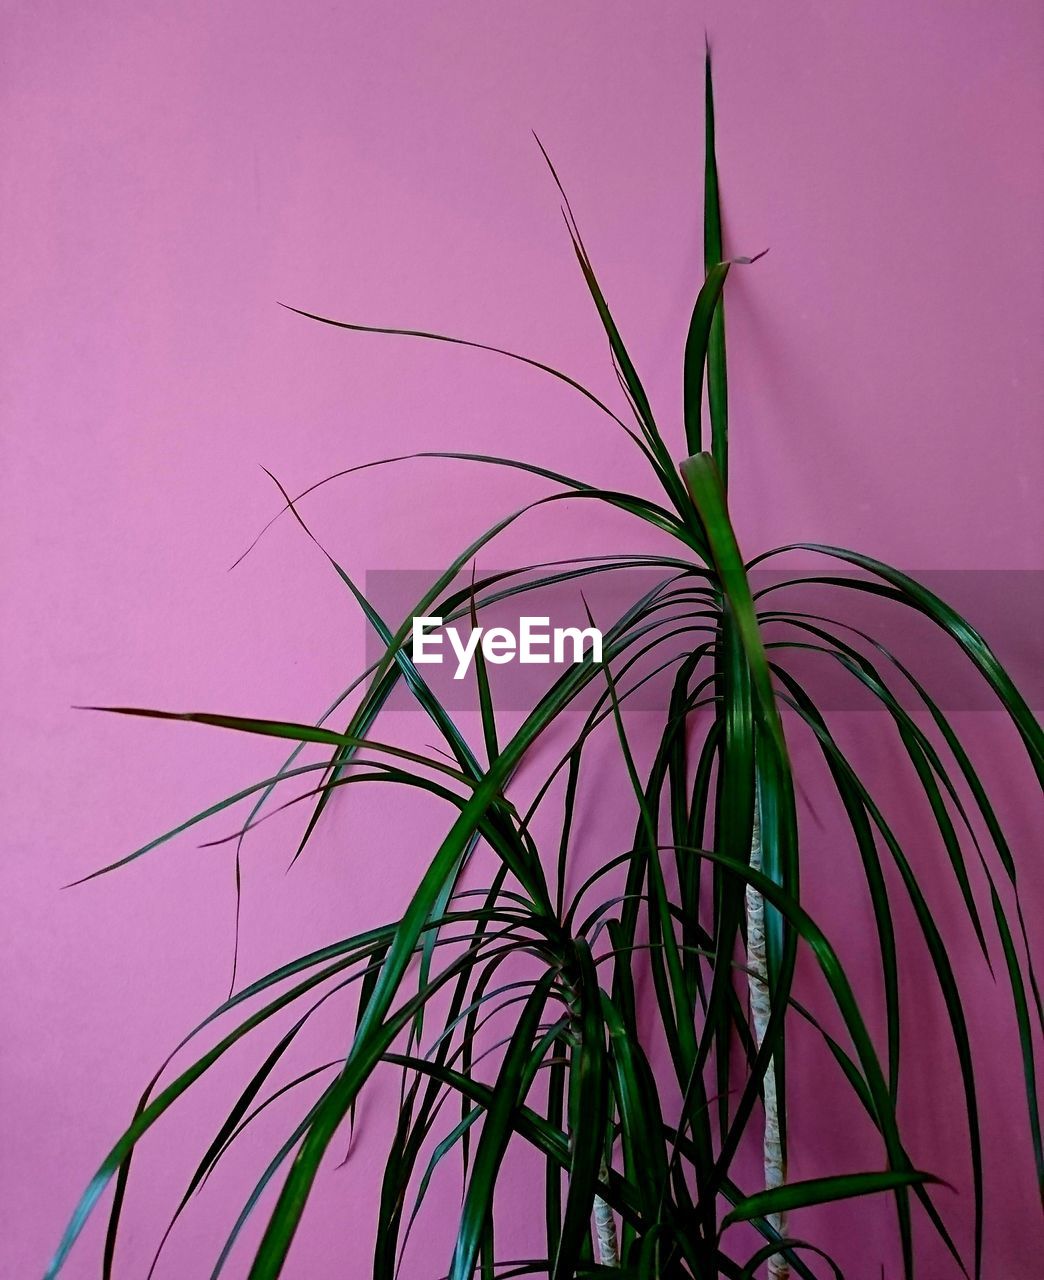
170	172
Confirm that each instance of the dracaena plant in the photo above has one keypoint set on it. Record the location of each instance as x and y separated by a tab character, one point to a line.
637	1107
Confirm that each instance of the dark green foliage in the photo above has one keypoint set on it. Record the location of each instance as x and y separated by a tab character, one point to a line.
656	1146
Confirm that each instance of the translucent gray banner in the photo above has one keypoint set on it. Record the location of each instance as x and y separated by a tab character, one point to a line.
1005	605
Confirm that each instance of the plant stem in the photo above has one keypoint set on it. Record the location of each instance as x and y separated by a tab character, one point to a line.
605	1230
761	1007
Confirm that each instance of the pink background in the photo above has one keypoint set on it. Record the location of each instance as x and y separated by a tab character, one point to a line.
170	172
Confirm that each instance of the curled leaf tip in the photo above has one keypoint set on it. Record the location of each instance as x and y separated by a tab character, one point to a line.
746	262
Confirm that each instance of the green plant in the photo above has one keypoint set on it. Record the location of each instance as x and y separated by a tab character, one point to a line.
638	1160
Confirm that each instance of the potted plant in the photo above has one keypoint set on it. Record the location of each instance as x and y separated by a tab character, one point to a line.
636	1106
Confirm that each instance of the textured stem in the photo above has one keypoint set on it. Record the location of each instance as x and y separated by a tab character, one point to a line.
760	1008
605	1230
